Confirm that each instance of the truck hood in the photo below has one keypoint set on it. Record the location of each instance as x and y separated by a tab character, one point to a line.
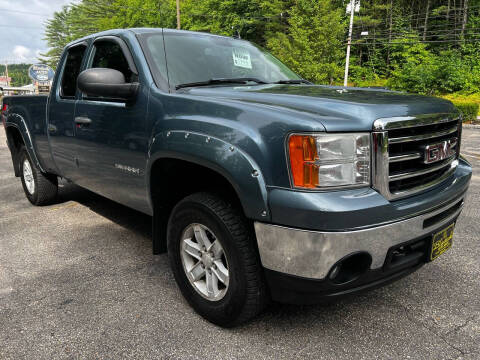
336	108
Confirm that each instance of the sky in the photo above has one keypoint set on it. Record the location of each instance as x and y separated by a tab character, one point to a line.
22	28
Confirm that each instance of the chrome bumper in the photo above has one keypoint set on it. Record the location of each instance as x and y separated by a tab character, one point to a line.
311	254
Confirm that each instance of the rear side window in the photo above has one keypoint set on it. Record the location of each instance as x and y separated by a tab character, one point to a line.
71	71
109	54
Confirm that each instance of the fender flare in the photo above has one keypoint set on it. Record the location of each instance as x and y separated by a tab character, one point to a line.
241	171
22	128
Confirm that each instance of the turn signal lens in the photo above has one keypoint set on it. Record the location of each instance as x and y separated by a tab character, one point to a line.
303	152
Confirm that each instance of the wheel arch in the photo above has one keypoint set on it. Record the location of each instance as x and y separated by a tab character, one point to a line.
228	161
16	136
15	140
177	162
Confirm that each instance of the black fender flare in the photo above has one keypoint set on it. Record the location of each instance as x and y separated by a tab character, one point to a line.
240	169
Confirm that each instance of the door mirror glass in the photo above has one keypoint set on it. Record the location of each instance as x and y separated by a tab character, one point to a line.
108	83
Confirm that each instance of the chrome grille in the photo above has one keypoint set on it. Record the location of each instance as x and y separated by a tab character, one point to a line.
413	154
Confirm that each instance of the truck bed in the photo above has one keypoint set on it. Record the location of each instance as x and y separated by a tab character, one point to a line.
31	111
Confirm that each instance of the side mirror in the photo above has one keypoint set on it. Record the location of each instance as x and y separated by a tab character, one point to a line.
108	83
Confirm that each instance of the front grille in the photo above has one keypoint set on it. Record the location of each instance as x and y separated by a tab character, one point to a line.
403	163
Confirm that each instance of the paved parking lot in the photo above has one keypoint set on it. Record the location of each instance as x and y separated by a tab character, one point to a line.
78	280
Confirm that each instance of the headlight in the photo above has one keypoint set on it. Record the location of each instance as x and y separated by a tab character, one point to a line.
329	160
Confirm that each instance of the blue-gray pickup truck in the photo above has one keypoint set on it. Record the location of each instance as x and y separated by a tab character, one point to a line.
261	185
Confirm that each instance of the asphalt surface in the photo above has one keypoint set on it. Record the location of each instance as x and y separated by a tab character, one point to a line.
78	280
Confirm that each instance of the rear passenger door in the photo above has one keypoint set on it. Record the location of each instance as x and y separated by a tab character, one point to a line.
111	147
61	111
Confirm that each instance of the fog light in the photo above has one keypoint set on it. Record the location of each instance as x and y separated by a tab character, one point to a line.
350	268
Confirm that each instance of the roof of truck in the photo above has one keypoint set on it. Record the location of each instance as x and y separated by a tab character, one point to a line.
137	31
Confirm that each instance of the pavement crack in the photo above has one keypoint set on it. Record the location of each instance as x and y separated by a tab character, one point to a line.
459	327
431	330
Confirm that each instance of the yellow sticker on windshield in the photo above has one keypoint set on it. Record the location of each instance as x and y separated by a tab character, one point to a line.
241	58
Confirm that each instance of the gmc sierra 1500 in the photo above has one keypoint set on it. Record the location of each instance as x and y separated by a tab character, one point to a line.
261	185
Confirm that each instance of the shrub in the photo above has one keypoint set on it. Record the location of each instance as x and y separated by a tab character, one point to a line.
419	70
470	109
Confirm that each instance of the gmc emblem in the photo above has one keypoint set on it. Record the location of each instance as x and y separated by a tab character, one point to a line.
440	151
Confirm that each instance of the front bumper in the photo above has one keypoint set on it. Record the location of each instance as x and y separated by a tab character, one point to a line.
312	254
299	264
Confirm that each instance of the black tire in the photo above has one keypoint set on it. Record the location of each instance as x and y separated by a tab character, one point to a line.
246	295
45	185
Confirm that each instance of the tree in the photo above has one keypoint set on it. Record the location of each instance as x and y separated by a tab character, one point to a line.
57	35
465	16
426	21
313	45
309	35
18	73
253	20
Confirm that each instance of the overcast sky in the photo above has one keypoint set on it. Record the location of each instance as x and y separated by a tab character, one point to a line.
22	28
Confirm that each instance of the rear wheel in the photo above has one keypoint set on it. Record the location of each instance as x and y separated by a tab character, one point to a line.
40	189
214	260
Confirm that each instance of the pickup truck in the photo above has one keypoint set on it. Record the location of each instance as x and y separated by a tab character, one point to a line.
261	185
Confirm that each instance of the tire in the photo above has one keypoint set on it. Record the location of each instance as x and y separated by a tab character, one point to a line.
40	189
246	294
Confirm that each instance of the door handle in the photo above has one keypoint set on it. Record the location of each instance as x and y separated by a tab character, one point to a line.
82	120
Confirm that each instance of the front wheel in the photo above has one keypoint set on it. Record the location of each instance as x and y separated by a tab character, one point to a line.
214	260
40	189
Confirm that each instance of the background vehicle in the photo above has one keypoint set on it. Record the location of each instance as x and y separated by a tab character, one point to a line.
261	185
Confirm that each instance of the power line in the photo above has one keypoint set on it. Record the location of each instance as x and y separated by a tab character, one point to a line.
431	29
418	42
421	16
415	18
444	23
441	32
429	35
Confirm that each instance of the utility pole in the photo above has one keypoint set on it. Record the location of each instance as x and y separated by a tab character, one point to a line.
178	14
349	41
6	72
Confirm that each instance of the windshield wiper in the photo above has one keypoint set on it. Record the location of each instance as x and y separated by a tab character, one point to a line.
221	81
293	81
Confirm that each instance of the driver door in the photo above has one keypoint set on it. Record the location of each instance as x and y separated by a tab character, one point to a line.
111	141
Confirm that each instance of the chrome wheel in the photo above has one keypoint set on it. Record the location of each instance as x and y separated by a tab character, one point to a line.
204	262
28	177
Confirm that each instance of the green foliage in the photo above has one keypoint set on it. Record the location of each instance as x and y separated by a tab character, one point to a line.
471	101
313	44
407	47
469	109
140	13
18	73
413	66
445	73
363	76
253	20
417	69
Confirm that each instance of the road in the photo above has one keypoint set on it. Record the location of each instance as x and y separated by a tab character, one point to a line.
78	280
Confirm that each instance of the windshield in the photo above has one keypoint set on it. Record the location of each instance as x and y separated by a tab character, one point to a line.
192	58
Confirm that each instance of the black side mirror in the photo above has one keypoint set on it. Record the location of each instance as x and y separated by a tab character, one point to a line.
108	83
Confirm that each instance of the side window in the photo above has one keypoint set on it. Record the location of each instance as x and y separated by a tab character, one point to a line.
108	54
71	71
